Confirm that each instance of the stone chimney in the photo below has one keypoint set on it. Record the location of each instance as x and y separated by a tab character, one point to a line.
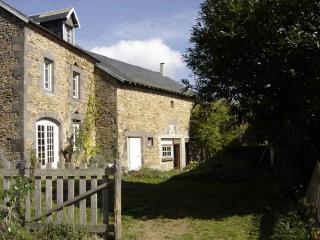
162	72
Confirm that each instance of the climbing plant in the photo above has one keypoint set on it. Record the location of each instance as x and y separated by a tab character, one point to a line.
85	147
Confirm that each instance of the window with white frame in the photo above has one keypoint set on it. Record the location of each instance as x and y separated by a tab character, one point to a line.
166	148
68	34
47	75
47	143
75	133
76	85
167	151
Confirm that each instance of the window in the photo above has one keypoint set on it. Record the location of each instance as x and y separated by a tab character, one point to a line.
47	75
47	143
166	148
150	142
75	133
69	34
167	151
75	85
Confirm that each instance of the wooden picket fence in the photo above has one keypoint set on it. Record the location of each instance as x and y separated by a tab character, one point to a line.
60	199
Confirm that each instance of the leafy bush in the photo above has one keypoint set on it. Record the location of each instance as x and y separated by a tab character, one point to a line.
213	127
11	225
61	232
299	223
146	172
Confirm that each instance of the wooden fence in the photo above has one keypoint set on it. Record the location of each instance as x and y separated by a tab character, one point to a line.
63	190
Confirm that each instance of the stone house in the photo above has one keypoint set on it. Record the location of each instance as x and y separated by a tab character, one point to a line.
47	84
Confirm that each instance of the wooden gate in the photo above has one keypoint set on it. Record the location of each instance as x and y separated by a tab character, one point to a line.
71	195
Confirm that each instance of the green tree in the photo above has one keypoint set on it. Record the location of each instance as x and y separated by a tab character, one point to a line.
213	128
263	57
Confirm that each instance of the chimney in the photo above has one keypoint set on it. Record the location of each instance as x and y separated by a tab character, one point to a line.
162	69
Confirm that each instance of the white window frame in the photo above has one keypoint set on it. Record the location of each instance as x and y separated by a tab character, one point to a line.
75	85
167	149
68	34
75	134
47	141
48	75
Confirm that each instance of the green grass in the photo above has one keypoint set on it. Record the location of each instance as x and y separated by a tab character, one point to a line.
188	205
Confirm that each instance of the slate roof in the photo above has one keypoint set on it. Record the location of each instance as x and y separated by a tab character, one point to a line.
129	73
122	71
56	15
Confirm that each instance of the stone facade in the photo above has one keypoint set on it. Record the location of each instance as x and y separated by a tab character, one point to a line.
57	105
124	110
106	123
11	86
148	113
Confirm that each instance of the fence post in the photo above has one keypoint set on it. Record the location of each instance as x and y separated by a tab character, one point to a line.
117	200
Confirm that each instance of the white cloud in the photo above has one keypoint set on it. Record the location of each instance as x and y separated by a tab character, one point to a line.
174	27
145	53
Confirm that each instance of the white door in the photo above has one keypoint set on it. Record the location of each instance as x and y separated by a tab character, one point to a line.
47	143
134	153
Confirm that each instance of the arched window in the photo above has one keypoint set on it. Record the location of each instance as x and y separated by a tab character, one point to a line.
47	143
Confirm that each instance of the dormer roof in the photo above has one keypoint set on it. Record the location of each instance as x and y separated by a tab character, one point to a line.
62	14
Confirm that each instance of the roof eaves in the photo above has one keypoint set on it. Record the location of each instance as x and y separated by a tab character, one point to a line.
14	11
75	15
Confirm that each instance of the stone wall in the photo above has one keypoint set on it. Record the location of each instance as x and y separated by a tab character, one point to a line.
106	123
58	105
147	113
11	86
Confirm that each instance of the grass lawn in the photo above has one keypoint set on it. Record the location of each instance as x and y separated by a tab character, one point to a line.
186	206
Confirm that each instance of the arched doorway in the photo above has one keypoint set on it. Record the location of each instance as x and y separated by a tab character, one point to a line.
47	143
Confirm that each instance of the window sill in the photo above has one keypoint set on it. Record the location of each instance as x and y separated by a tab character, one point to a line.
167	159
75	99
49	93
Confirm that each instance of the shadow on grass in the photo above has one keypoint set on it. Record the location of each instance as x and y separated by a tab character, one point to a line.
201	196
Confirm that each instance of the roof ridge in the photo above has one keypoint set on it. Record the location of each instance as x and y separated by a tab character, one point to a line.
132	65
52	11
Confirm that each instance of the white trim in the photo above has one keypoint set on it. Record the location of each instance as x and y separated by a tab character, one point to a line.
68	34
76	16
48	65
166	143
75	133
75	85
47	143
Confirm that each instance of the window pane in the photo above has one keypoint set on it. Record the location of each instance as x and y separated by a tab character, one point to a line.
47	81
75	85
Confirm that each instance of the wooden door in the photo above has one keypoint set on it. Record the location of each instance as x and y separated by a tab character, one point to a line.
177	156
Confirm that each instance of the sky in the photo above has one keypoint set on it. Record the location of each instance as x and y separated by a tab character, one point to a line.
140	32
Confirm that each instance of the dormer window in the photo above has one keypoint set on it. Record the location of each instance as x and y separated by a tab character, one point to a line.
68	34
60	22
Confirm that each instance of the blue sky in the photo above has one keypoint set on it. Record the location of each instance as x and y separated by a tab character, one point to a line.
141	32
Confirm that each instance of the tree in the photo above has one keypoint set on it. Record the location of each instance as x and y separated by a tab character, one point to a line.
213	128
263	57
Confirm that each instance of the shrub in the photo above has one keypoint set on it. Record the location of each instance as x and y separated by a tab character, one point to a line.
299	223
61	232
146	172
11	223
